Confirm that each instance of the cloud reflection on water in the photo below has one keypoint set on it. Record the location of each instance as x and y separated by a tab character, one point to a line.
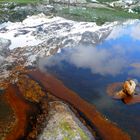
112	57
132	30
135	32
135	71
99	61
117	56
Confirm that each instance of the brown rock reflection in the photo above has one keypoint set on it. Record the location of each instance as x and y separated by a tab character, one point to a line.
113	88
135	65
132	100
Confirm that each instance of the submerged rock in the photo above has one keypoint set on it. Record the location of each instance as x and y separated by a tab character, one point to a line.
64	125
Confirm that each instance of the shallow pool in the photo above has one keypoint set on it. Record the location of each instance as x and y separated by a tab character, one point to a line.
90	70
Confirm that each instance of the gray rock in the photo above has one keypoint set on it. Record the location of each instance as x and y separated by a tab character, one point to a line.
4	47
62	124
1	59
94	38
4	42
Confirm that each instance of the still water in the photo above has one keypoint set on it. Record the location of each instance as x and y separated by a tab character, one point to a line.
89	70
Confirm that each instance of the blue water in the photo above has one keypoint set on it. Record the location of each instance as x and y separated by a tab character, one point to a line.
89	70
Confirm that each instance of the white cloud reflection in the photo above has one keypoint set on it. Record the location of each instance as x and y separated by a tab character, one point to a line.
132	30
99	61
135	71
135	32
107	58
117	32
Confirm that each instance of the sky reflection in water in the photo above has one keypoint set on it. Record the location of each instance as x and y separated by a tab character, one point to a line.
89	70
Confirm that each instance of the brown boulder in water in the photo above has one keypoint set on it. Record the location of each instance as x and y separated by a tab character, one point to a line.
120	95
128	89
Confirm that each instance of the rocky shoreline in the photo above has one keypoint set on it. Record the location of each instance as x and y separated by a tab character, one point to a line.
33	96
57	88
33	112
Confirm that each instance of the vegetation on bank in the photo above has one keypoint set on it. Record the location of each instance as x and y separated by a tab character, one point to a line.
99	15
102	0
21	1
78	13
66	127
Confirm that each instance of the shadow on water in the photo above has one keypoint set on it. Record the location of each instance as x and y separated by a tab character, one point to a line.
89	70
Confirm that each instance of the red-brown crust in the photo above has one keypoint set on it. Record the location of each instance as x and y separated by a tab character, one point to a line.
107	130
20	109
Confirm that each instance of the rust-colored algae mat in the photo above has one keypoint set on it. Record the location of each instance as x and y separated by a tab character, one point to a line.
20	108
106	129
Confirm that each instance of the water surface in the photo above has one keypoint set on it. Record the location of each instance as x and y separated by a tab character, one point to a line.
89	70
